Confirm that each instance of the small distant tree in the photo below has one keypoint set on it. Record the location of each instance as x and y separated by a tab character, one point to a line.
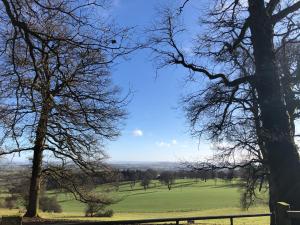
214	176
147	176
167	178
222	175
229	175
151	173
51	184
133	176
145	182
117	178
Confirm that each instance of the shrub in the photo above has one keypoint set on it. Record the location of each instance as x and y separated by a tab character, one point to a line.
50	205
92	208
97	210
105	213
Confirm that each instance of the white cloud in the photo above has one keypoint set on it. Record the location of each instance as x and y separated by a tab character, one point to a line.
164	144
174	142
137	133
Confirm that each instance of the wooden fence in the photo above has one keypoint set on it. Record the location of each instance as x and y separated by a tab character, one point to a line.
189	220
283	216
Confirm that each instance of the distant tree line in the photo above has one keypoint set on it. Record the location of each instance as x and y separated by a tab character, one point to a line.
168	177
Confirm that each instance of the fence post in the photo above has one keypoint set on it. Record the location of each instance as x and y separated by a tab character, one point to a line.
231	221
281	216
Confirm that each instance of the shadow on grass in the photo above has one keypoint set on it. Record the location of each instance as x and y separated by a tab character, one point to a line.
141	193
164	187
229	185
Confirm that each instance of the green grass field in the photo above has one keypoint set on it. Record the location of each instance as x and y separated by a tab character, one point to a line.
186	198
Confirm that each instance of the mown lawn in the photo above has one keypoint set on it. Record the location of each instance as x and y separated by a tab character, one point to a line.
131	216
186	198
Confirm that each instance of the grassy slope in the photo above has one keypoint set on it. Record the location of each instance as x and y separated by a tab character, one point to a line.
187	198
129	216
186	195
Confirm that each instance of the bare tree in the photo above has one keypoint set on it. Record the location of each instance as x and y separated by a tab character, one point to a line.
252	104
145	181
56	96
167	178
244	147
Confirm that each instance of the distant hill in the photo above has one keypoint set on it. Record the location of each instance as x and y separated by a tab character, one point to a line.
147	165
135	165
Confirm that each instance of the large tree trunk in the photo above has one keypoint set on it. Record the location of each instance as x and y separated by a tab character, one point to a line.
33	201
35	182
282	153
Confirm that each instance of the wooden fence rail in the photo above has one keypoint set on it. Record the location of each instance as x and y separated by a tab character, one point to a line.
188	220
284	215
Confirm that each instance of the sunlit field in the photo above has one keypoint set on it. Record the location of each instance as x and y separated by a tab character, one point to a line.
186	195
186	198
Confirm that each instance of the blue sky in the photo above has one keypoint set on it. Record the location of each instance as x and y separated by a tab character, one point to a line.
156	129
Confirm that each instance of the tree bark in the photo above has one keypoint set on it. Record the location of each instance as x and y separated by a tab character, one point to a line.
35	182
33	201
282	153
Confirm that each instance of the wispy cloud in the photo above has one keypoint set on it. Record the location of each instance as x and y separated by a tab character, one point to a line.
137	133
174	142
164	144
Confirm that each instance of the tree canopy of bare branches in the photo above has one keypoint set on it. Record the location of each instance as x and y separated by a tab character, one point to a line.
248	98
56	95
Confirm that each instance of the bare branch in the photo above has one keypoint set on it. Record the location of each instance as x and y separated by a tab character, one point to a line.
285	12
